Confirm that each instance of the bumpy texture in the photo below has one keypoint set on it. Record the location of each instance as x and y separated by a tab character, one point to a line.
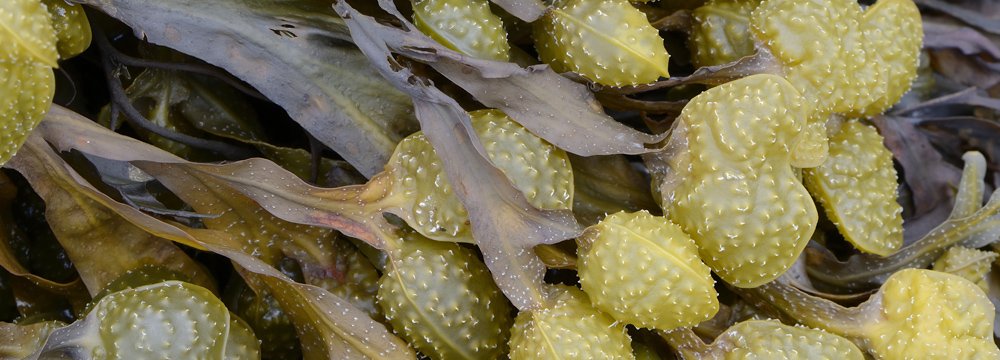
71	26
894	33
857	187
539	170
971	264
441	299
466	26
738	196
847	61
165	320
242	343
770	339
812	147
808	38
643	270
927	314
145	274
27	34
721	32
27	56
569	328
609	42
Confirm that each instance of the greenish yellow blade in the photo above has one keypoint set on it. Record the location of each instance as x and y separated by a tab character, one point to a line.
735	192
819	42
27	56
166	320
971	264
808	37
242	343
857	187
466	26
26	33
441	298
71	25
721	32
770	339
643	270
894	36
539	170
568	328
930	315
26	90
609	42
170	319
